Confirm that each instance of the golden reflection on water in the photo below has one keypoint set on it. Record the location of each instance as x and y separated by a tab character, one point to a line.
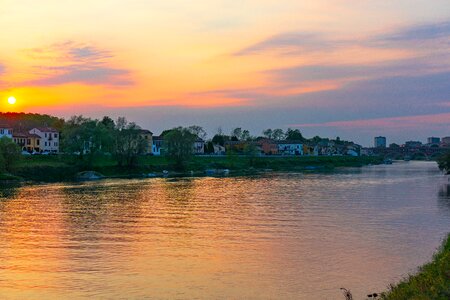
280	236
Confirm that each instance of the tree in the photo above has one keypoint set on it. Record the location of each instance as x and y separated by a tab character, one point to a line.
294	135
245	135
178	144
9	154
198	131
129	143
87	138
278	134
268	133
220	139
209	148
237	133
444	163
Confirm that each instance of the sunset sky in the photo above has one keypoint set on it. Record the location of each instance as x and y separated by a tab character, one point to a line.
348	68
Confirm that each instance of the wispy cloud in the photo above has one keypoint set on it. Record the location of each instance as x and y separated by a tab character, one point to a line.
419	32
74	63
292	42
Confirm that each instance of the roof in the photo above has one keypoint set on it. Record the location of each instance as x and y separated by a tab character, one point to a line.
293	142
145	131
25	135
45	129
7	126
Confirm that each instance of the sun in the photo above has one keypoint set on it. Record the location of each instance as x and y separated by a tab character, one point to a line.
12	100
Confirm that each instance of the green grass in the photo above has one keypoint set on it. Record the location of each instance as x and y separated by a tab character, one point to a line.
432	282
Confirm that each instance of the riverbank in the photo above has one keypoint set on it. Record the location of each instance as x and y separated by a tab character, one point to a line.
431	282
65	168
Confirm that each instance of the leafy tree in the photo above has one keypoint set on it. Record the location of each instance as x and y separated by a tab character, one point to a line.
268	133
178	144
237	133
394	146
278	134
128	143
251	151
87	138
220	139
316	139
198	131
209	148
9	154
245	135
108	123
294	135
444	163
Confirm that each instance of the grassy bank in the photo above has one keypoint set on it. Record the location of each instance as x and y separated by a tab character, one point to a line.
431	282
63	168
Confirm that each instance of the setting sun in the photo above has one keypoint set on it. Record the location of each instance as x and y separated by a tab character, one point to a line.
12	100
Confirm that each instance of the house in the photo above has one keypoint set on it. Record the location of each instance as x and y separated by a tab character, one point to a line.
268	146
290	147
49	138
147	135
6	130
219	149
237	146
28	141
157	144
199	146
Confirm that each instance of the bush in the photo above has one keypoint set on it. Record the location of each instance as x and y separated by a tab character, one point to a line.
9	154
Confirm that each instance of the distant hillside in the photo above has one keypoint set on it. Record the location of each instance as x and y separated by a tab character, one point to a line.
28	121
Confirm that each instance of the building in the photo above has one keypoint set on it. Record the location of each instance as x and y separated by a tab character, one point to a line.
49	139
147	135
433	140
157	144
380	142
268	146
219	149
6	130
413	144
290	147
446	141
199	146
28	141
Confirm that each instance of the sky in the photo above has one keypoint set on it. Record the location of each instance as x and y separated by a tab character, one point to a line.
349	68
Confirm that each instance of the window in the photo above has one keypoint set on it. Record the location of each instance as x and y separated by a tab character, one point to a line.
56	144
38	142
46	144
45	136
55	135
2	131
28	141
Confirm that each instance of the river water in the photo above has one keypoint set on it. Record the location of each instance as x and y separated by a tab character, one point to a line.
276	236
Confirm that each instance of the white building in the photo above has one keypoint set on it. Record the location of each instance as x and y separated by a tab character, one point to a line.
157	144
199	146
6	131
290	148
49	138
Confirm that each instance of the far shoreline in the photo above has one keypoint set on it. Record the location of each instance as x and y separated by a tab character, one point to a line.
61	168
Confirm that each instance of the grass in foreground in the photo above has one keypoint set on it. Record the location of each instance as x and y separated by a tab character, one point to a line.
432	282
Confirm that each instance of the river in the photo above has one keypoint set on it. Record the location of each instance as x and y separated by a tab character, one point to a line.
274	236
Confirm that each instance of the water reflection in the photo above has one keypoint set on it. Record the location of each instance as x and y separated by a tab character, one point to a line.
8	190
444	197
278	236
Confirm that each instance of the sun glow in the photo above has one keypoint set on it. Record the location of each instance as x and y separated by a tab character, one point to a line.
12	100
